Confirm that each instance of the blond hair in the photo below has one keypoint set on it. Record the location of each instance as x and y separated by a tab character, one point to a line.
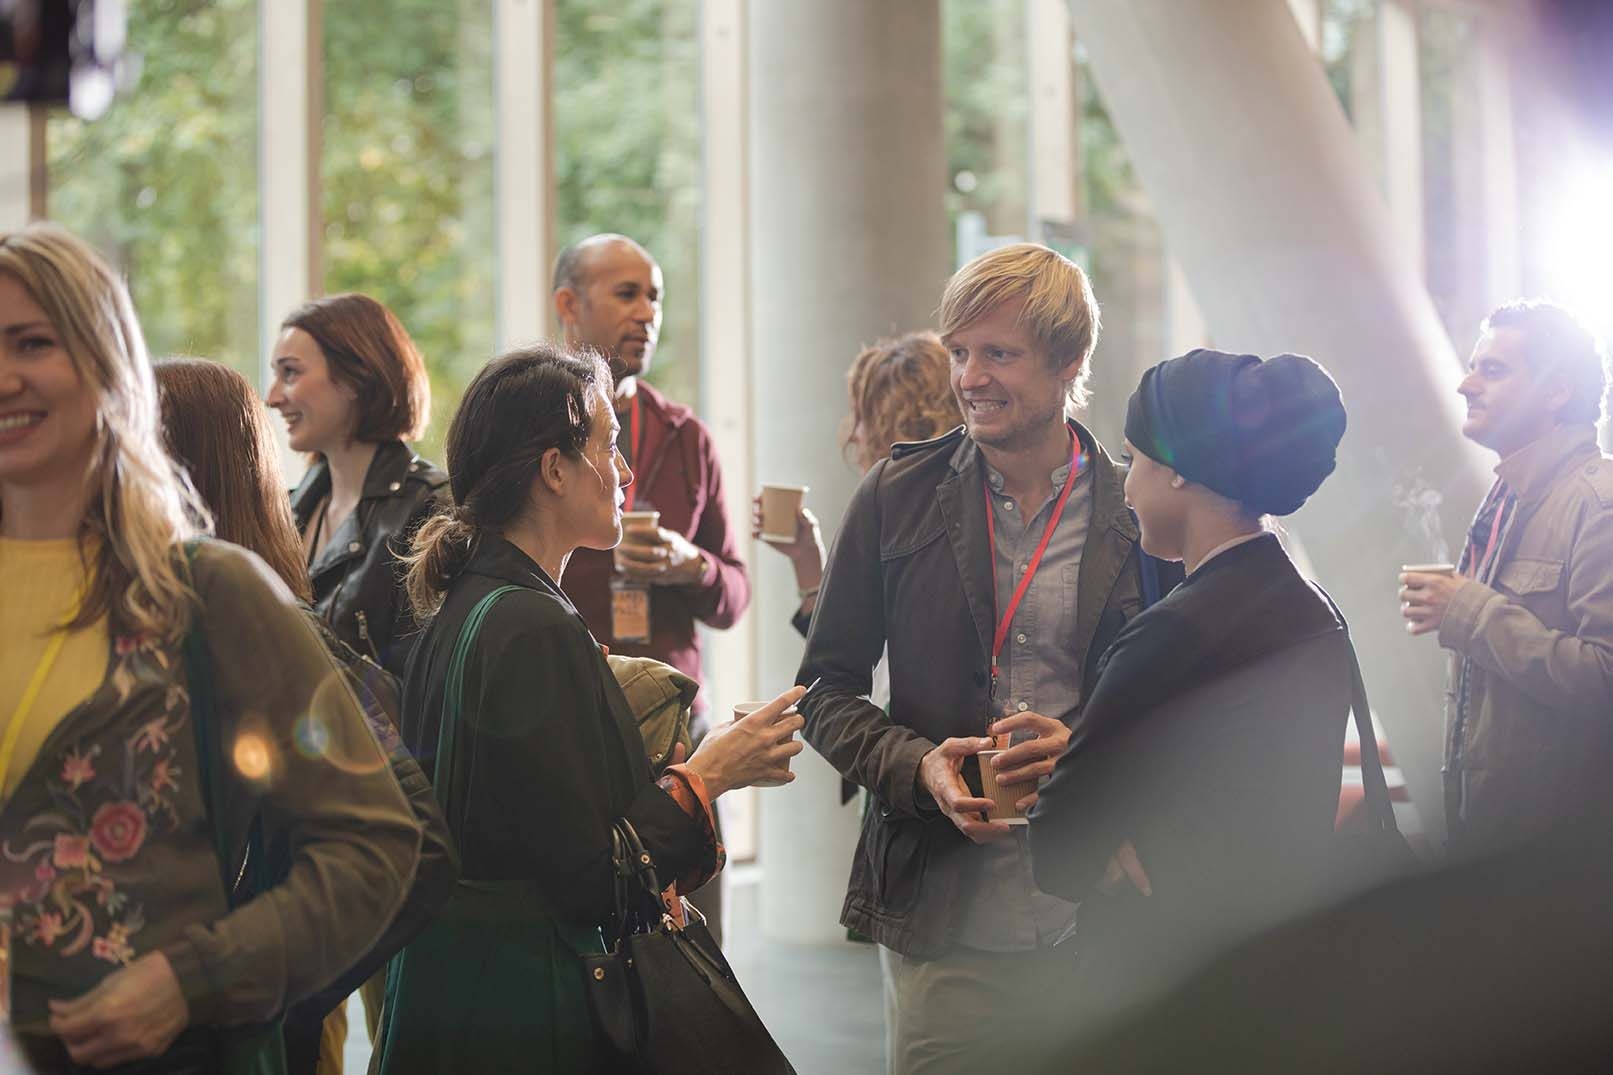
900	390
138	508
1057	303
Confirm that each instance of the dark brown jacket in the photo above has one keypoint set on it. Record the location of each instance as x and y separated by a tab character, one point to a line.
911	570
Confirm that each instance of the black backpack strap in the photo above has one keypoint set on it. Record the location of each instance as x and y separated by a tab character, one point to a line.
1380	809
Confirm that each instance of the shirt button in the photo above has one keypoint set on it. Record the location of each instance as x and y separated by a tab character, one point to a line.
355	546
395	486
1021	638
1008	505
1024	706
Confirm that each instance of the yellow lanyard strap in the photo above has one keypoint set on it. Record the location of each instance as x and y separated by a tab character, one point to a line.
19	717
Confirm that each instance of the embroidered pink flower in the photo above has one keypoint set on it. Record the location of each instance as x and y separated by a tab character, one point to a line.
163	772
117	831
44	872
152	736
114	947
78	769
48	928
70	852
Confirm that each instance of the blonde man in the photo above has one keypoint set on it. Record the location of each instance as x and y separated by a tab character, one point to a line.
996	563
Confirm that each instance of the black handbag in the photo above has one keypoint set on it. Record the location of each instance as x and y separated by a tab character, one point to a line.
664	998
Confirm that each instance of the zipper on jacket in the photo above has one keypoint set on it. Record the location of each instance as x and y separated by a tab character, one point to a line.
364	634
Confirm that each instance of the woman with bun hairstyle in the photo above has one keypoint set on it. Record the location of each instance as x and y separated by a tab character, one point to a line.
216	427
535	752
168	713
1196	800
353	391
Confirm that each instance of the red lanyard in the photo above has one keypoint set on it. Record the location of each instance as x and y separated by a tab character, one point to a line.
1036	560
634	430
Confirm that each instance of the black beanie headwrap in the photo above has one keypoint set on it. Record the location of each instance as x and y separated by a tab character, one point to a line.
1265	434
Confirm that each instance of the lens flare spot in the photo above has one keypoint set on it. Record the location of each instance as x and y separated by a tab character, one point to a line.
312	737
252	756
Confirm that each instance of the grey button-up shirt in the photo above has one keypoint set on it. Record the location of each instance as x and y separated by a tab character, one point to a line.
1039	671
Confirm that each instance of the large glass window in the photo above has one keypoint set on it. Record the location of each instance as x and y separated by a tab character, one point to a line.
987	122
627	151
165	183
407	177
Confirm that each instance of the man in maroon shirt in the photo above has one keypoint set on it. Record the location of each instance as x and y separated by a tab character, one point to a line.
607	293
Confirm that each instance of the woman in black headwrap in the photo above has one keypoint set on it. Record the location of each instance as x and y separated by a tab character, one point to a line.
1201	783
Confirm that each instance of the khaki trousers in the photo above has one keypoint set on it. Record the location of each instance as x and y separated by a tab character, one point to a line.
979	1013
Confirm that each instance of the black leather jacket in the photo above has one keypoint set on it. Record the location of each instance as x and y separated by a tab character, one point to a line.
358	587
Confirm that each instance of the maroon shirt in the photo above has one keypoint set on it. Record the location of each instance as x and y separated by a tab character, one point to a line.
677	474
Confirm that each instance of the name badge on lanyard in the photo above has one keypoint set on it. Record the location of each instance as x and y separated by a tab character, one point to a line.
1007	618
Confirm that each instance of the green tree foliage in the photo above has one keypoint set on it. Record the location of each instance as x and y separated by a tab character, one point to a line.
407	177
627	150
166	182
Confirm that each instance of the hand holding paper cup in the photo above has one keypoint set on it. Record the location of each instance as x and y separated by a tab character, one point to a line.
1425	593
1004	797
780	506
755	748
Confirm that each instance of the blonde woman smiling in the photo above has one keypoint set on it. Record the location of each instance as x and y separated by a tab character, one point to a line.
144	935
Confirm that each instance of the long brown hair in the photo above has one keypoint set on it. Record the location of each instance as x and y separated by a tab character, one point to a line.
370	352
216	429
138	508
900	390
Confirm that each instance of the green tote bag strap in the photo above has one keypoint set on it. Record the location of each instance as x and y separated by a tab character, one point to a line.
442	773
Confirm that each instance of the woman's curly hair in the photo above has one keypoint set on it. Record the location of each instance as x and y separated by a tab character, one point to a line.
900	390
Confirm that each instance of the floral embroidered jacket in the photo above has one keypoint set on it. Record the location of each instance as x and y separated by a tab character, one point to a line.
106	850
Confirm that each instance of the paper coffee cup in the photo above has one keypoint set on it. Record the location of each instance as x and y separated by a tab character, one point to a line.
636	522
745	709
1428	569
780	505
640	520
1003	796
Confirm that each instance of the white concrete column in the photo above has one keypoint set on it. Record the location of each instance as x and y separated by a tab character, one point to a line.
1496	158
848	243
290	116
1054	178
725	334
1400	124
523	172
1308	17
1184	321
1279	227
22	185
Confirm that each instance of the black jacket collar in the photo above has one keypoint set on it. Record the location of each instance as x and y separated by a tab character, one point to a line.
387	472
500	559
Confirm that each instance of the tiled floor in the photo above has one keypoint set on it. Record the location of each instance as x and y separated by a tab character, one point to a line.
822	1002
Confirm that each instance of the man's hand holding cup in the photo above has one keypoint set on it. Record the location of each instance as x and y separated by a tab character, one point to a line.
941	774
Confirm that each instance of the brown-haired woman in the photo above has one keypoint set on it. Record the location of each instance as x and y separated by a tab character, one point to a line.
353	390
216	427
123	835
899	390
535	750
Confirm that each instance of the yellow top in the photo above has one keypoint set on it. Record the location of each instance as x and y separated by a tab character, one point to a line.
39	584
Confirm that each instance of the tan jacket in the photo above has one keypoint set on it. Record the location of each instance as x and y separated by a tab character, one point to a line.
108	853
1537	741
